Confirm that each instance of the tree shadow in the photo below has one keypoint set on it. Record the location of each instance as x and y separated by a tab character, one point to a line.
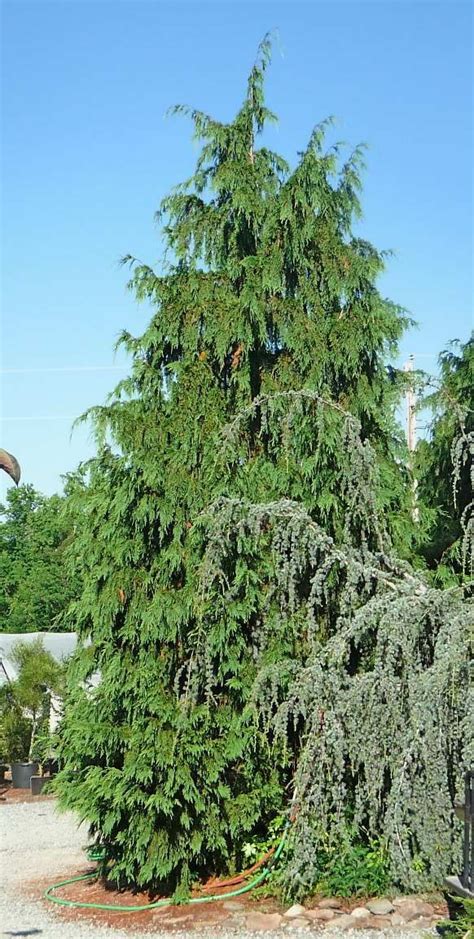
22	932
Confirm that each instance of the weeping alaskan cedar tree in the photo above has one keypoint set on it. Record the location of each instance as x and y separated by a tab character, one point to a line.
236	534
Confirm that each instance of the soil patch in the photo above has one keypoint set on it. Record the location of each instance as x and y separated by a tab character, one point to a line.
8	795
230	911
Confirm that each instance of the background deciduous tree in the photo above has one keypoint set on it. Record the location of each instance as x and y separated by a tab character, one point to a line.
35	586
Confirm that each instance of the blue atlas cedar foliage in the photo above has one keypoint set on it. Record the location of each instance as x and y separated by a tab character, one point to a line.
235	524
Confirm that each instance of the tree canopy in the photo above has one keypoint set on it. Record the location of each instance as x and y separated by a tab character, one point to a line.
35	586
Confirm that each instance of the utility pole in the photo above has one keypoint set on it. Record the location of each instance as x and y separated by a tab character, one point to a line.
410	401
411	430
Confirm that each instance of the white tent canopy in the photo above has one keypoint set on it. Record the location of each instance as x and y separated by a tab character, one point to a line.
59	645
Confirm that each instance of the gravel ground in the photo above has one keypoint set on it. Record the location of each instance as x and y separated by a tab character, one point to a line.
37	843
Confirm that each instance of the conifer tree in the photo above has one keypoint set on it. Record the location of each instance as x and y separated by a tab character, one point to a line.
445	463
246	490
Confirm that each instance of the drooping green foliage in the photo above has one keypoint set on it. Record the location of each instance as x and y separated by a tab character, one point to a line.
445	464
35	586
234	537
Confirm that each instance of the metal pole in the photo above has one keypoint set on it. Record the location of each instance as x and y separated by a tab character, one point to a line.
471	833
5	671
467	827
411	429
411	414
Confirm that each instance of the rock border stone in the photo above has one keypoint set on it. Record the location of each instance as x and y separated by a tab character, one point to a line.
332	914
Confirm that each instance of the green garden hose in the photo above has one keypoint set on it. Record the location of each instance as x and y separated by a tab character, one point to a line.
167	901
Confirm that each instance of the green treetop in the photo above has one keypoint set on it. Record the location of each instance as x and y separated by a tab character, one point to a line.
269	292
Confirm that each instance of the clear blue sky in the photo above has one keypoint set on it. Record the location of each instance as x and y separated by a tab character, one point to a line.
88	154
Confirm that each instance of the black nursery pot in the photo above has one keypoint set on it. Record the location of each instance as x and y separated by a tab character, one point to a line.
37	784
22	773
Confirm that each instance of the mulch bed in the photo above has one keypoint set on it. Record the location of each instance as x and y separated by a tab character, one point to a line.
171	918
168	919
9	795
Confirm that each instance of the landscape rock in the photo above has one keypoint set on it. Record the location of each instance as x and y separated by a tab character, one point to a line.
423	922
373	922
179	920
360	912
208	916
320	916
361	923
343	923
262	922
397	920
298	922
330	903
294	911
411	908
233	906
380	907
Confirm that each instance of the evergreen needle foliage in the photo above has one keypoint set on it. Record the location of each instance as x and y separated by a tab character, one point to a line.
234	536
445	465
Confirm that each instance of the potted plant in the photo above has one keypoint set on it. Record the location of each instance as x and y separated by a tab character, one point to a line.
26	709
44	753
15	731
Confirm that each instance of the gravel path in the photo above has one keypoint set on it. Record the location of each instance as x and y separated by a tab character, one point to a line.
37	843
